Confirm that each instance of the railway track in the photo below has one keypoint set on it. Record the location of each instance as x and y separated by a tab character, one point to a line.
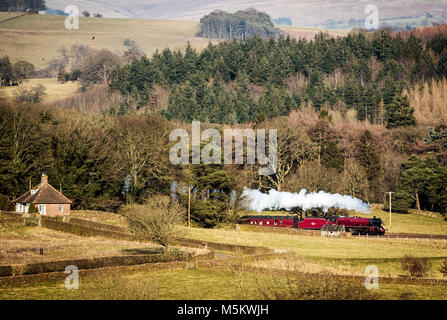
407	236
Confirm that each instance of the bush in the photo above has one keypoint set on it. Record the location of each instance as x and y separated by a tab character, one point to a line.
208	214
417	267
111	285
5	203
443	269
32	208
293	284
31	95
299	286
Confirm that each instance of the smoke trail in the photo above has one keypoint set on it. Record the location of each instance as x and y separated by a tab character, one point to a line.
274	200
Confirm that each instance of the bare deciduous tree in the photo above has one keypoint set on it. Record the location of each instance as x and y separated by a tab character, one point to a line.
313	177
156	220
294	148
355	181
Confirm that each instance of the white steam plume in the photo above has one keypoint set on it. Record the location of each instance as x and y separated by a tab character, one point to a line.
274	200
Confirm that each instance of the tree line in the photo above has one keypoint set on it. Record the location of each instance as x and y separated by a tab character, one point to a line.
14	74
241	25
103	162
21	5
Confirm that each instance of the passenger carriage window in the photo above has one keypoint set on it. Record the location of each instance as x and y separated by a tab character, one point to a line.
276	222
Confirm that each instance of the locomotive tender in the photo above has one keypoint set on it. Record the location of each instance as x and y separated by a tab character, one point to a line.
355	225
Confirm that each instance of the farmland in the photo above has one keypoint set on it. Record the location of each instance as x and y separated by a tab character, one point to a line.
36	39
54	90
195	284
351	254
313	255
20	244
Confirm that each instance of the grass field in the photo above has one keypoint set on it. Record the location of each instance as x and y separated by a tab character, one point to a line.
54	89
194	284
412	223
100	217
20	244
350	254
36	38
347	256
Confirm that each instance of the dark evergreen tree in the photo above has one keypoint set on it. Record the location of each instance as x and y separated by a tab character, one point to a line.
399	113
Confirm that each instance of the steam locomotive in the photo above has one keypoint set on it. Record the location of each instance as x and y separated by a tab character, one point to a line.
355	225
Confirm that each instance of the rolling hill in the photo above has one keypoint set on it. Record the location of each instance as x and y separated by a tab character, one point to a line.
301	12
37	38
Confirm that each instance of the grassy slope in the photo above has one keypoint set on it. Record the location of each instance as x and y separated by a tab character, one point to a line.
37	38
54	89
412	223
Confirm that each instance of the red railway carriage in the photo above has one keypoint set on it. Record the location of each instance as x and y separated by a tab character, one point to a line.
272	221
355	225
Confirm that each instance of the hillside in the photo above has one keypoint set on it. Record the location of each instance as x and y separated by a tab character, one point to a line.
301	12
37	38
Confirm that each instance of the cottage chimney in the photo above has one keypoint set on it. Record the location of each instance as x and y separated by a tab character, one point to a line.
44	178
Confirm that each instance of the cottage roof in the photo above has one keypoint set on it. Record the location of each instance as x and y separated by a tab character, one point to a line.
43	193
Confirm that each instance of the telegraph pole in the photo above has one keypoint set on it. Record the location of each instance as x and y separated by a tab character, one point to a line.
390	193
189	206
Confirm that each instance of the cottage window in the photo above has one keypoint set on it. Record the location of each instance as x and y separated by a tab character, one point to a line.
61	208
42	209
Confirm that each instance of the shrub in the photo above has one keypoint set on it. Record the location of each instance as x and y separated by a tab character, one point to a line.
31	95
293	284
443	269
417	267
32	208
299	286
111	285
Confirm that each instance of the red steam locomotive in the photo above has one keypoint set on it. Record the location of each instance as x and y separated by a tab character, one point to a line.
355	225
